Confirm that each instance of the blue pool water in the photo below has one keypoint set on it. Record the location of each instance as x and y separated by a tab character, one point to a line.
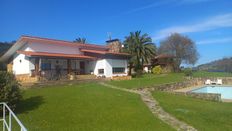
225	91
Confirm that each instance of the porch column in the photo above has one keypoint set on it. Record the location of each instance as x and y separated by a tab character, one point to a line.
69	66
37	61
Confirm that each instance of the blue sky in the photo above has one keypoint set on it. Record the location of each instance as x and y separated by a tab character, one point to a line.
207	22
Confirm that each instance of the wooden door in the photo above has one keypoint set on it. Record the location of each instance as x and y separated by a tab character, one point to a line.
82	67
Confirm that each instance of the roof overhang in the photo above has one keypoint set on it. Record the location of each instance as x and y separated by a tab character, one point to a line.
29	39
12	50
56	55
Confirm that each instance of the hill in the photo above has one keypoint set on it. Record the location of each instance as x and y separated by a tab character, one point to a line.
4	46
221	65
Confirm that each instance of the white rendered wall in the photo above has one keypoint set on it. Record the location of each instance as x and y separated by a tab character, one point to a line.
21	64
54	48
107	65
99	64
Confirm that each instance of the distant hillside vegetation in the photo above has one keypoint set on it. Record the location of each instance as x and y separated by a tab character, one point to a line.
4	46
222	65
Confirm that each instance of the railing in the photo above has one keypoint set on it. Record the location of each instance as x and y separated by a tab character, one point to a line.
8	125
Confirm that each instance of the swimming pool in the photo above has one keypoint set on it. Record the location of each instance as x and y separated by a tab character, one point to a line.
225	91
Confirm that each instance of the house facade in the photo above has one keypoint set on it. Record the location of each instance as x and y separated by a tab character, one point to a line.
33	57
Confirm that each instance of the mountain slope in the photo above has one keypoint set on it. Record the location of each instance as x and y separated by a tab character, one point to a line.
222	65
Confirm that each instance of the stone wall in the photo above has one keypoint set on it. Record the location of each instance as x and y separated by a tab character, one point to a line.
189	82
175	86
192	82
203	96
121	78
26	78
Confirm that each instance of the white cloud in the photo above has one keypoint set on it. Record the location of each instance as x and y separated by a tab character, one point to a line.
215	41
212	23
165	2
194	1
148	6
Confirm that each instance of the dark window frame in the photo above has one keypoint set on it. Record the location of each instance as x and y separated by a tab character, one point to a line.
118	70
101	71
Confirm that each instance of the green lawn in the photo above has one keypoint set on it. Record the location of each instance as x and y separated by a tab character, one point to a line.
203	115
211	74
85	107
149	80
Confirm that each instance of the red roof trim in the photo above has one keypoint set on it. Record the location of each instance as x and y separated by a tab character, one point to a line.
104	52
61	42
30	53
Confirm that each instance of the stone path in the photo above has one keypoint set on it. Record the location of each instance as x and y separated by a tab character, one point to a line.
157	110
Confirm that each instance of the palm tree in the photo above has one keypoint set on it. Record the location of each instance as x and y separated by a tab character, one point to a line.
140	47
80	40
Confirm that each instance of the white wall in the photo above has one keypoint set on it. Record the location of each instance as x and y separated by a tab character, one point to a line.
108	67
54	48
108	64
25	66
99	64
21	64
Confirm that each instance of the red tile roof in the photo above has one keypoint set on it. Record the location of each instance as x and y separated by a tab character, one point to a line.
104	52
30	53
61	42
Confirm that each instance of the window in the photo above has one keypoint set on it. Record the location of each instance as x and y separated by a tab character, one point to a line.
46	66
100	71
117	70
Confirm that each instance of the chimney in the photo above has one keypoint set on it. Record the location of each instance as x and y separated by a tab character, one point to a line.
114	45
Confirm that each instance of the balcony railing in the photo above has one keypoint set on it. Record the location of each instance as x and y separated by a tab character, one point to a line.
7	122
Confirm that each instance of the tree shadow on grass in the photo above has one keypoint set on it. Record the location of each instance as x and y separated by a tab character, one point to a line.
29	104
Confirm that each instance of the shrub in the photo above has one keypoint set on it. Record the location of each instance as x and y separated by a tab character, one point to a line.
139	73
2	66
157	70
188	72
9	89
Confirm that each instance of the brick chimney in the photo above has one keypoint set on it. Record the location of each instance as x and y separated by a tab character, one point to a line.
114	45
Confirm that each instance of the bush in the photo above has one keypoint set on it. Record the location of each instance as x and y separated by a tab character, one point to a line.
157	70
2	66
9	89
139	73
188	72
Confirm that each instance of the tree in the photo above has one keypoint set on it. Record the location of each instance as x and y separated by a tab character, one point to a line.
9	89
80	40
140	47
182	47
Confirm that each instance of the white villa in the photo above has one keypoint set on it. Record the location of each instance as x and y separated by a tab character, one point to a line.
32	57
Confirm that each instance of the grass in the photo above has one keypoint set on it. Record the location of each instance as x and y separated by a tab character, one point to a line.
85	107
149	80
203	115
211	74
